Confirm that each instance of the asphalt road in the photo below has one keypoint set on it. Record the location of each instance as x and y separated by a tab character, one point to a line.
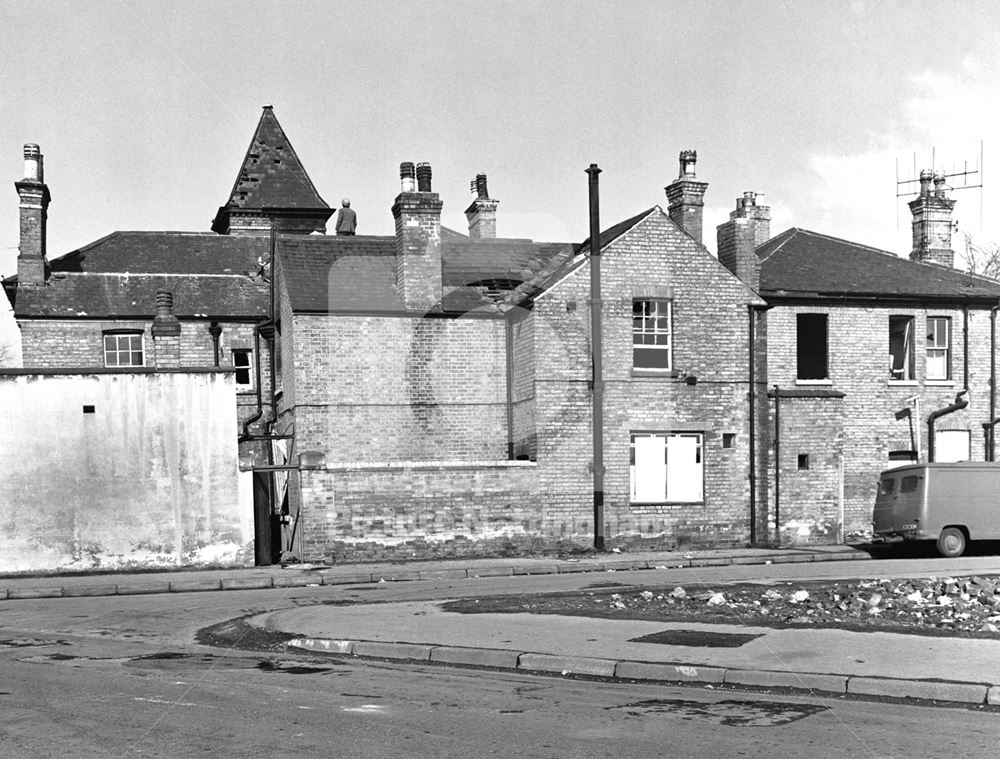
122	677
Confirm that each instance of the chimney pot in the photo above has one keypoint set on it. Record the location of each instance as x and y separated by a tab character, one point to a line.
481	190
926	177
33	163
164	303
688	159
423	177
406	175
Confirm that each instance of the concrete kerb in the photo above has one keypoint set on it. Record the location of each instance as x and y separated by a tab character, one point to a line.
655	672
331	575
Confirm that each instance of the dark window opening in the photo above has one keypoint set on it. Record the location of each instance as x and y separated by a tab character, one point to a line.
811	347
728	439
803	461
88	409
901	347
241	361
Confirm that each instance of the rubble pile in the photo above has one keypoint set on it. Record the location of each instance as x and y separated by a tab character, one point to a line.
966	604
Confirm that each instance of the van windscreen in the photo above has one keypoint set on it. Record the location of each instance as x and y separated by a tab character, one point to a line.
887	486
909	484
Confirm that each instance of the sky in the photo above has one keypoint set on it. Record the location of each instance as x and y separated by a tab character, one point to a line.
144	110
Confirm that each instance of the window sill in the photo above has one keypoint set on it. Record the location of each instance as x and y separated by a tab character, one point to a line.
939	383
814	382
666	503
663	373
903	383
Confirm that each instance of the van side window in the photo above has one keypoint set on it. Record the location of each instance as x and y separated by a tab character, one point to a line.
909	485
888	486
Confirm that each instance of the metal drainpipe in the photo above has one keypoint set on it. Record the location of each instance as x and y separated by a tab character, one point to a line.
245	434
596	357
991	452
216	332
752	400
777	464
958	405
965	343
509	348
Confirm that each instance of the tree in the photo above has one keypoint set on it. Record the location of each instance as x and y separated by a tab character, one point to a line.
982	257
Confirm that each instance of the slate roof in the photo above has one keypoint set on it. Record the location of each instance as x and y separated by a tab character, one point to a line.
329	273
271	176
118	276
804	264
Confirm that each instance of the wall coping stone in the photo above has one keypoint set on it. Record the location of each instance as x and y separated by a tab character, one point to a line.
346	466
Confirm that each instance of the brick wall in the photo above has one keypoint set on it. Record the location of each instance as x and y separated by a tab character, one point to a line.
858	366
710	343
79	343
373	388
419	510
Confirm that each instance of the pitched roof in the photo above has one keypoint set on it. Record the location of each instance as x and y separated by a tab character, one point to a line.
118	276
328	273
800	263
272	176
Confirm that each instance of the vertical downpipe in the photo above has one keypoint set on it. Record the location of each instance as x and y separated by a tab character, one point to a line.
991	446
777	465
509	350
596	356
752	399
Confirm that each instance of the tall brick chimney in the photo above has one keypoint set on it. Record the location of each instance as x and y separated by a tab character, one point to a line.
686	196
931	211
748	226
166	333
418	238
482	212
32	263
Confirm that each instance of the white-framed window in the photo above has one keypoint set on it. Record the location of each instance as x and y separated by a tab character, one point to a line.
938	347
666	467
901	348
123	349
242	358
652	328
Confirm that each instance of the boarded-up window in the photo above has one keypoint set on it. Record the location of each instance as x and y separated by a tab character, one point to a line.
666	467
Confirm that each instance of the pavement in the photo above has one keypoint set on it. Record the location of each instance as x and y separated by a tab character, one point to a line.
822	661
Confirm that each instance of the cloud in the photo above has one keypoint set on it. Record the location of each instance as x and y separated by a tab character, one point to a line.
942	121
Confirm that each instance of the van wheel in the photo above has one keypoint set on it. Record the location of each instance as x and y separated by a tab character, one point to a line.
951	542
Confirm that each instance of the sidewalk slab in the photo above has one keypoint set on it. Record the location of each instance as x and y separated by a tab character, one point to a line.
247	583
350	578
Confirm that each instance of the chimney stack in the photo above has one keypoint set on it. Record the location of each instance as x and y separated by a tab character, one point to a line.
32	263
166	333
932	211
748	227
418	239
482	212
686	196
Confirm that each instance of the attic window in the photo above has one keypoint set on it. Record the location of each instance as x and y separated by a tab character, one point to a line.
123	349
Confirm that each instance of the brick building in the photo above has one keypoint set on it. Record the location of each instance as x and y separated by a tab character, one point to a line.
430	392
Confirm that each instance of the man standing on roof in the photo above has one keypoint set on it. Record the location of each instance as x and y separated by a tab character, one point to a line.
347	220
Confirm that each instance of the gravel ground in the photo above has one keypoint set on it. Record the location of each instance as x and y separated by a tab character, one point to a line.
951	606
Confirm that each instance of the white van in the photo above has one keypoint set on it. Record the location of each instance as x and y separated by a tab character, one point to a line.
949	503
